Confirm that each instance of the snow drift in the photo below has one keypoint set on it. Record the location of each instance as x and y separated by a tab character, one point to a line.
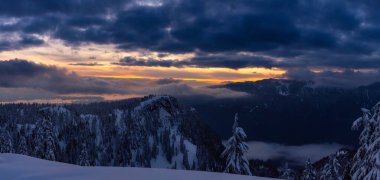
14	166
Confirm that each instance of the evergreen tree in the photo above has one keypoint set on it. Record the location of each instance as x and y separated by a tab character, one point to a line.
202	158
182	146
6	145
185	160
147	155
309	173
83	157
287	173
331	170
22	146
155	149
38	138
366	162
122	152
45	146
347	171
166	145
193	166
235	151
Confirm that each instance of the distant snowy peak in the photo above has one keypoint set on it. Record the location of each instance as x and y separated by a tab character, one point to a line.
282	87
151	100
159	102
285	87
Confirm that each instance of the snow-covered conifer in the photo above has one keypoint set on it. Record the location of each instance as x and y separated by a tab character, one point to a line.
287	173
366	162
44	139
185	160
22	146
309	173
235	151
331	170
83	157
6	145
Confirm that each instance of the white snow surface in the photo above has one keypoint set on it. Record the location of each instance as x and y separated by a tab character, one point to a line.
13	166
149	101
56	109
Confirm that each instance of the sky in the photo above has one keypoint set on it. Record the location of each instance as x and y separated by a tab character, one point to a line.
88	50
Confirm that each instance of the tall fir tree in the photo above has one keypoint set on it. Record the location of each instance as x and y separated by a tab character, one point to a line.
22	146
6	145
287	173
331	170
309	173
38	138
185	160
235	151
366	162
45	144
83	157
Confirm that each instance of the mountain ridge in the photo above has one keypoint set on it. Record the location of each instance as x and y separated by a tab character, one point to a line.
154	131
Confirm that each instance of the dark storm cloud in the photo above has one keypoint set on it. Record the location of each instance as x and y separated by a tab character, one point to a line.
303	34
370	34
233	61
321	59
167	81
22	8
325	59
25	74
347	78
21	42
204	25
130	61
86	64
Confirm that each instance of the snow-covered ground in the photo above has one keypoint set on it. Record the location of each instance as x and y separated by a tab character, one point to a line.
13	166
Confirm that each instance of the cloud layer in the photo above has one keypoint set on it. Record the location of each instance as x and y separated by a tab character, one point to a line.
25	80
26	74
294	154
347	78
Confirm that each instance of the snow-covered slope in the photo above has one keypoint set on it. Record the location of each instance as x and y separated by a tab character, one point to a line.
13	166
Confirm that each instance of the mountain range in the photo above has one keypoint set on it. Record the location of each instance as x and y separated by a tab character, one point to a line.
290	111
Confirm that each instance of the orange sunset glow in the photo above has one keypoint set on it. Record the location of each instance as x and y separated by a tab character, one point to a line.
57	54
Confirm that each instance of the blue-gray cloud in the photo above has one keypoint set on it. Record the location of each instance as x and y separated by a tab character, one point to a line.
21	42
168	81
26	74
348	78
333	34
86	64
29	81
223	60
